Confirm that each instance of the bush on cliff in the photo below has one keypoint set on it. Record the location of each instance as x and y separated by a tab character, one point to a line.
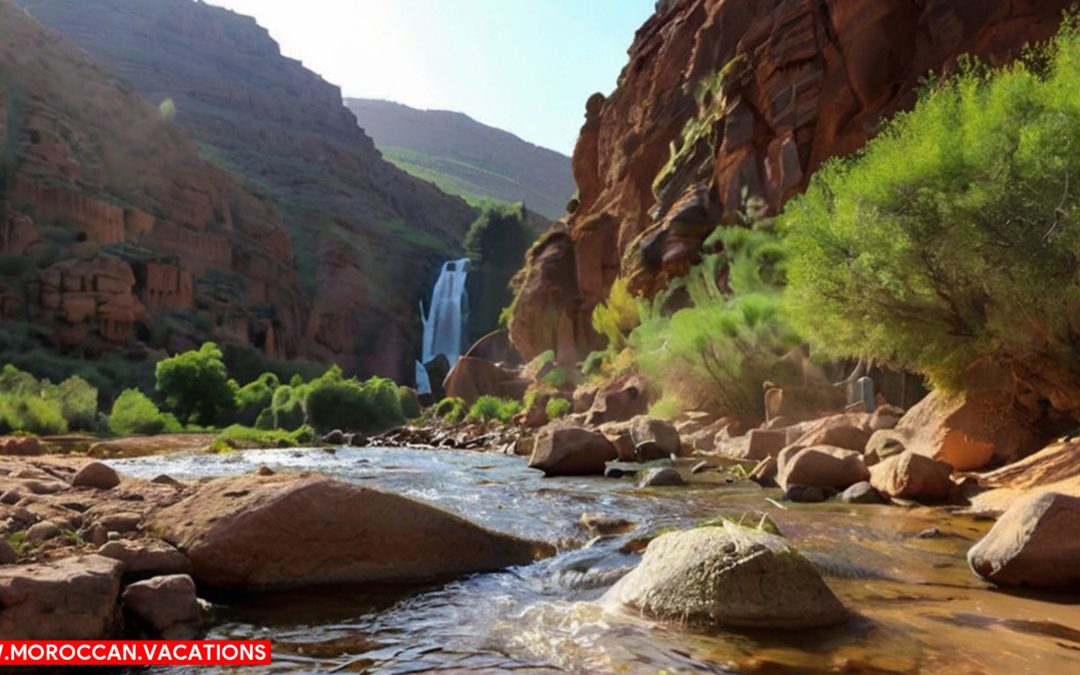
134	414
196	385
451	410
716	352
954	235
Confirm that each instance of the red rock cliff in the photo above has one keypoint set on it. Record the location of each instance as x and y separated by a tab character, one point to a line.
723	100
365	234
109	216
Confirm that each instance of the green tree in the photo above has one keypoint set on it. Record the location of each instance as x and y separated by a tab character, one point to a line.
195	385
953	237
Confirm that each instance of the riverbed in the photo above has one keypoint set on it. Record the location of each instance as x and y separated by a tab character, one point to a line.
916	605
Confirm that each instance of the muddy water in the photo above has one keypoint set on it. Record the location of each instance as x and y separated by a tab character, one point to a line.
917	606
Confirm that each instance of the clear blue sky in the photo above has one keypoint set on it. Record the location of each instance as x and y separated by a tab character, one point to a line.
526	66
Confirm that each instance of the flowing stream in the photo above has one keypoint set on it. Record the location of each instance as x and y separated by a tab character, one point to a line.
917	606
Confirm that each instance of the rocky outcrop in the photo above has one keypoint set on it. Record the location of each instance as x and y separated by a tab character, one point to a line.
1055	468
363	231
115	214
167	605
821	466
728	576
1036	543
723	101
277	531
966	430
912	476
563	449
71	599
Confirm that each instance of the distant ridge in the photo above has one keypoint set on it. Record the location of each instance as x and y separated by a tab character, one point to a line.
466	157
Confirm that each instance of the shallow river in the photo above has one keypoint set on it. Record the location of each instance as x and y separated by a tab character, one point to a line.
918	607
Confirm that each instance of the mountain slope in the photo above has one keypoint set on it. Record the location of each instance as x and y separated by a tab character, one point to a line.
365	233
115	234
466	157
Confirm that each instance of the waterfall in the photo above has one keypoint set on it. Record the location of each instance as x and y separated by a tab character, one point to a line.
447	318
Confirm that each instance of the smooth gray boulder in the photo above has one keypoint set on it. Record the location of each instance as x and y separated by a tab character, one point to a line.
728	576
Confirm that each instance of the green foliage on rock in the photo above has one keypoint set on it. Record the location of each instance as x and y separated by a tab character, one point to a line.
557	408
195	385
451	410
954	235
493	408
133	413
716	352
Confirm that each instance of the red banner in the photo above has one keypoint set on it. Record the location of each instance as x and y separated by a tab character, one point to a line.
134	653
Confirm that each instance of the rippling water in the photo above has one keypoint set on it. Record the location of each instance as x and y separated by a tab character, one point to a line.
918	607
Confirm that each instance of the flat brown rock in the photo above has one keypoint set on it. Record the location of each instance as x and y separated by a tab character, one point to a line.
71	599
290	531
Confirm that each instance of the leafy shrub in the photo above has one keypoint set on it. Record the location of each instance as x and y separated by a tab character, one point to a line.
196	385
78	402
617	316
717	351
336	402
382	404
265	420
489	408
134	413
558	407
953	236
41	407
410	402
31	414
287	406
451	410
238	436
255	397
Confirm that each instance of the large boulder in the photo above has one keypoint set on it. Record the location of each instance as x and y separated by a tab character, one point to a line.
96	475
568	450
850	431
70	599
911	476
472	378
821	466
146	557
728	576
166	605
285	530
619	400
1035	543
654	438
20	446
968	430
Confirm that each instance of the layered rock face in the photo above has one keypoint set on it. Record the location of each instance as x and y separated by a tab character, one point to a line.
109	216
723	102
364	233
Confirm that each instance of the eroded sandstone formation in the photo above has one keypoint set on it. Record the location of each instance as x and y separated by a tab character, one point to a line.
364	234
110	218
723	101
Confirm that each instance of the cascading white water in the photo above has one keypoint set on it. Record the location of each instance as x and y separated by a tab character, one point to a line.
446	319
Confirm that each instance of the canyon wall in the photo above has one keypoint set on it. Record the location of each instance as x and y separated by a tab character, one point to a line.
724	101
364	235
113	227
